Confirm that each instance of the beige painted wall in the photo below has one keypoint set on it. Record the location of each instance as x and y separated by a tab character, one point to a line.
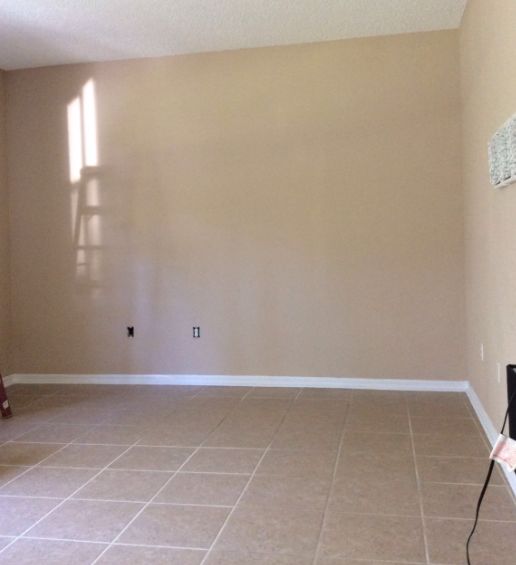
4	240
301	204
488	47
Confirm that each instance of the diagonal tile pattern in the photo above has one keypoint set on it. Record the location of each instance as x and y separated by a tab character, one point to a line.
232	475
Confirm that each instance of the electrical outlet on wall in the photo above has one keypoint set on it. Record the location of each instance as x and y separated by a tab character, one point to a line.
481	352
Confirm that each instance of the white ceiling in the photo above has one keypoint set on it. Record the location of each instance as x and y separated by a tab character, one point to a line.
36	33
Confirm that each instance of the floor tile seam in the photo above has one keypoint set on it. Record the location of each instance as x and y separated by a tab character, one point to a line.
64	500
419	493
395	515
331	491
242	494
40	464
110	500
187	460
119	544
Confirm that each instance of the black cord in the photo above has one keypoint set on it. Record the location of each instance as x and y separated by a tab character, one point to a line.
486	483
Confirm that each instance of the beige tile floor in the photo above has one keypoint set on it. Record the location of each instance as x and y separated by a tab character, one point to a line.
238	476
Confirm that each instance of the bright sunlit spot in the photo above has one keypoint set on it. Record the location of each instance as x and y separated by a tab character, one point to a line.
89	119
75	139
85	194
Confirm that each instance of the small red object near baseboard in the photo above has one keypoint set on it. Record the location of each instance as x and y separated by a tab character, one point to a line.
5	408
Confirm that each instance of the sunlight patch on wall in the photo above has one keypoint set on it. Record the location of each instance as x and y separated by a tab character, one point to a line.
85	185
75	139
89	120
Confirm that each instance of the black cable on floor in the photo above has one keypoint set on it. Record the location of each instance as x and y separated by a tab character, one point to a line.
486	483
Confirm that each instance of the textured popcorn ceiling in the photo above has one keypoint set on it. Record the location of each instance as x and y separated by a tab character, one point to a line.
49	32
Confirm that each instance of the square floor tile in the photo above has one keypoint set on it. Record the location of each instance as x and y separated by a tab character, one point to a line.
298	463
178	526
8	473
364	496
443	445
371	464
115	435
236	434
131	486
4	541
343	561
378	403
272	530
86	520
438	405
245	558
273	392
396	400
388	413
327	393
472	470
459	501
273	407
315	415
377	423
358	536
176	435
57	433
44	481
223	391
494	543
221	405
18	514
153	458
85	414
297	437
50	552
277	491
364	442
124	554
209	459
26	453
280	515
126	417
91	456
203	488
444	426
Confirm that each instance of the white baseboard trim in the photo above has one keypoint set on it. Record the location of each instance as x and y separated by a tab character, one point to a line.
9	380
243	380
490	430
273	381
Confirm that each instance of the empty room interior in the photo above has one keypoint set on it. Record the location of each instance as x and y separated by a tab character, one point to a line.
258	282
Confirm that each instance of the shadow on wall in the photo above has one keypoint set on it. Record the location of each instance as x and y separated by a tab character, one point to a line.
85	188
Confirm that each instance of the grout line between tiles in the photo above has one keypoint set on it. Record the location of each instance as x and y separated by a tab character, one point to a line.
419	491
178	408
139	513
147	502
123	544
354	513
71	540
138	470
330	493
64	500
226	521
29	468
160	546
